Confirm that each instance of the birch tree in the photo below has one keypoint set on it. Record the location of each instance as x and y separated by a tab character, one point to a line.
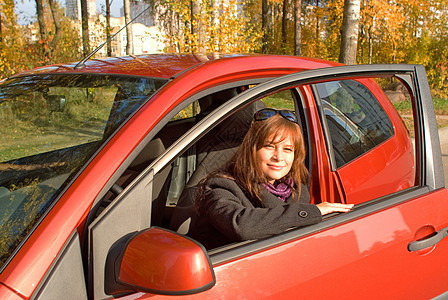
129	35
108	29
349	32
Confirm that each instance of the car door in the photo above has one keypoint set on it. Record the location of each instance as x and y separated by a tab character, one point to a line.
352	255
388	247
368	142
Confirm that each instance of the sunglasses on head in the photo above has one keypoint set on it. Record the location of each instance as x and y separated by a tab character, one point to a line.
266	113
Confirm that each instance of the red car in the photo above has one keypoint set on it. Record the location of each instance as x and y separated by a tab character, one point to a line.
97	162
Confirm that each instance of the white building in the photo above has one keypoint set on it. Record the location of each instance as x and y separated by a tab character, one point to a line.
73	9
146	39
138	8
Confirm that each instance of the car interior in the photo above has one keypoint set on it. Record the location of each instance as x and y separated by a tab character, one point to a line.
175	185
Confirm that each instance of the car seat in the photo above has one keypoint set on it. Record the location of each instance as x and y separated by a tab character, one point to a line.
218	146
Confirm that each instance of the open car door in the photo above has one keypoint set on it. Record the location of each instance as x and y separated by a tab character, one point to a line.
389	246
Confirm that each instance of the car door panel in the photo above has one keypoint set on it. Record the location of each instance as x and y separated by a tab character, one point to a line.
68	268
129	213
364	253
368	143
355	257
385	164
366	258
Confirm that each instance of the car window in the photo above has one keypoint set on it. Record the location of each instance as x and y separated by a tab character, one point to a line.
214	150
355	120
280	100
154	196
51	126
190	111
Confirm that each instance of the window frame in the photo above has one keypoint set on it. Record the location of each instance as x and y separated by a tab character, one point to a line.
326	129
413	77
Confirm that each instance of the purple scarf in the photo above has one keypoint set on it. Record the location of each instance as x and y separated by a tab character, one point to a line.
281	189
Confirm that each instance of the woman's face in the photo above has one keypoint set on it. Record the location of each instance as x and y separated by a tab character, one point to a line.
275	158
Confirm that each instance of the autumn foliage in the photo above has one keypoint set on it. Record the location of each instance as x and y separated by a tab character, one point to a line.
22	47
390	31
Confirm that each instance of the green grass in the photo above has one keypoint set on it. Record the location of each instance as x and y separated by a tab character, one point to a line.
440	106
28	127
280	100
404	108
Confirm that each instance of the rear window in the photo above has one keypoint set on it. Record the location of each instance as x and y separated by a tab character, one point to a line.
355	119
51	126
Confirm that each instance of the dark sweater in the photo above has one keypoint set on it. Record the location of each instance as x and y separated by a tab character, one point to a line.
231	217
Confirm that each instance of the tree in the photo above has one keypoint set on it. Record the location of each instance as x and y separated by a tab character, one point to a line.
196	26
349	32
207	25
265	25
297	27
42	28
57	23
108	29
284	24
40	19
85	28
129	34
11	43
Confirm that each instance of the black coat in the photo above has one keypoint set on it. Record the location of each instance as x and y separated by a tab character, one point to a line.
231	217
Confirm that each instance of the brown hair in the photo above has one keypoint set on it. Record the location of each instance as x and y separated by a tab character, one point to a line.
243	167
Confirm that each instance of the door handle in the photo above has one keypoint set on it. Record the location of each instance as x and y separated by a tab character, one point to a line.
428	241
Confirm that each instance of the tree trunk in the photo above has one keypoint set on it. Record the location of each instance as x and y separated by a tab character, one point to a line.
42	29
196	26
349	32
57	23
297	27
127	19
40	19
108	30
370	45
264	25
85	28
216	44
284	25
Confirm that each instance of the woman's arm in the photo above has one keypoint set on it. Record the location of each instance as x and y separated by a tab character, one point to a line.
232	213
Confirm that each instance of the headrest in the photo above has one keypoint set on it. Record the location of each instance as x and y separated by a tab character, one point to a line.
235	127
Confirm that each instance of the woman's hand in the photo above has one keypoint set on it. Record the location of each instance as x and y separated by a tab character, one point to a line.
327	207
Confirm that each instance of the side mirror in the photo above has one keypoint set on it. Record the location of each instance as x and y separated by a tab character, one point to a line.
159	261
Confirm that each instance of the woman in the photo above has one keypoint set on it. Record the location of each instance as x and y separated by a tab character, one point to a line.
261	191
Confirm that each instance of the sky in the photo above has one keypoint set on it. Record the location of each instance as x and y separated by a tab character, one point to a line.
26	9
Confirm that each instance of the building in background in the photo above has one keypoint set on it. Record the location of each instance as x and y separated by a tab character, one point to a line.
73	9
137	7
147	37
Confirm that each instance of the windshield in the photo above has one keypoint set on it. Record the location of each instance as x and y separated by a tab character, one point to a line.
51	126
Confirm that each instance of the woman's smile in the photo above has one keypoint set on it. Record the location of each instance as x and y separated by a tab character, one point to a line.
275	167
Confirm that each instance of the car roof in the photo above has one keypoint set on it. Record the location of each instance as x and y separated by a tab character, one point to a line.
168	65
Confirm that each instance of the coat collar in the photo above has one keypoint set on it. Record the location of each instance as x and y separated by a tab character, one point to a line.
271	201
